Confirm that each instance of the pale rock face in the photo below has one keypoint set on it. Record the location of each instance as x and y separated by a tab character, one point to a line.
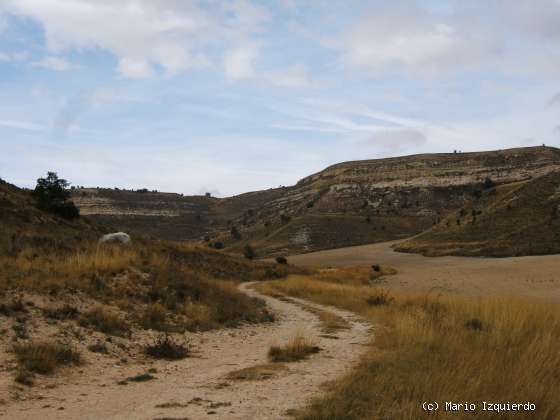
116	238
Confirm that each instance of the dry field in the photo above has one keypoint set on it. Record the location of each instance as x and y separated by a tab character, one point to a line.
447	329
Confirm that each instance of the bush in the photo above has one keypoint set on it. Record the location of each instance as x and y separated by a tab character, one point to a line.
104	321
166	348
376	268
235	233
474	324
154	317
44	358
281	260
51	194
380	297
248	252
488	183
62	313
218	245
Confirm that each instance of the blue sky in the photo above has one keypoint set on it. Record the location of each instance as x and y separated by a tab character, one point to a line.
230	96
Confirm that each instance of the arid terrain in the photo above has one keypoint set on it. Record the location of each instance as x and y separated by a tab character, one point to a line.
210	383
251	321
453	196
537	276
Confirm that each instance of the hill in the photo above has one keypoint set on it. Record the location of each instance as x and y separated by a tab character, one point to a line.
351	203
65	297
509	220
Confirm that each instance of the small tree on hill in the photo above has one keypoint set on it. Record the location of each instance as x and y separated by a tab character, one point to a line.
52	194
235	233
249	252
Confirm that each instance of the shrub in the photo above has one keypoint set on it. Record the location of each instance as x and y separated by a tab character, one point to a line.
166	348
474	324
51	194
281	260
380	297
62	313
45	357
248	252
376	268
104	321
235	233
218	245
285	219
12	307
98	347
154	317
488	183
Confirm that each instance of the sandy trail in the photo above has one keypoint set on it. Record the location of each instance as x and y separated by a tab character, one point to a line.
197	388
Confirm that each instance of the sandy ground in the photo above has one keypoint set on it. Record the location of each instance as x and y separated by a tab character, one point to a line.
197	388
537	276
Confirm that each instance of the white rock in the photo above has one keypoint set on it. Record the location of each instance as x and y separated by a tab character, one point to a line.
117	237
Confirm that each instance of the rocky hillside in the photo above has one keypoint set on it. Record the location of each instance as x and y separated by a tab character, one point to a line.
513	219
346	204
27	229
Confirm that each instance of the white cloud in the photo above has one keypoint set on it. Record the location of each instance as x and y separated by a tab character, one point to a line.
414	41
295	76
238	62
54	63
142	34
134	68
12	57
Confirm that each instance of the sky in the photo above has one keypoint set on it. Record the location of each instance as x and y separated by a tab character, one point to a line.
229	96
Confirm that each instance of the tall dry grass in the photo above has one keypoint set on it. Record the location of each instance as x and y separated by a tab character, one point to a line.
441	348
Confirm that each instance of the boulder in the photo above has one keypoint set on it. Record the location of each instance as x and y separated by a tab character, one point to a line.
116	238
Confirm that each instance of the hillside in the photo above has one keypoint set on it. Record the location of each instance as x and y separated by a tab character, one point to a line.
350	203
65	298
509	220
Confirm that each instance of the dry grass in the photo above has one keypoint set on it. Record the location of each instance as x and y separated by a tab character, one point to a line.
257	373
298	348
43	357
105	321
441	348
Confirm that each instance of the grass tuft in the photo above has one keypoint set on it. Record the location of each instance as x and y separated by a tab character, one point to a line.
43	357
102	320
298	348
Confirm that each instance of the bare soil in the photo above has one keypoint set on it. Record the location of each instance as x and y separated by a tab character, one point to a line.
201	386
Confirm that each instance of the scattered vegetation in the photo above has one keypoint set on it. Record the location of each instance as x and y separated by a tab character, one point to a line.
281	260
379	297
44	357
425	346
105	321
298	348
62	312
257	373
249	252
165	347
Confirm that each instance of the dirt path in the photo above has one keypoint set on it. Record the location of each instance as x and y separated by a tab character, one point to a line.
537	276
197	388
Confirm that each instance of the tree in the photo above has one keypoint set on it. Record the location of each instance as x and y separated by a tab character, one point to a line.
249	252
488	183
52	194
235	233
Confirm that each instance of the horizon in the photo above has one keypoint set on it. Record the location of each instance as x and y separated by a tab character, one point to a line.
241	96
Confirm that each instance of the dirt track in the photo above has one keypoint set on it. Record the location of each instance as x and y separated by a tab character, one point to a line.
197	387
526	276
